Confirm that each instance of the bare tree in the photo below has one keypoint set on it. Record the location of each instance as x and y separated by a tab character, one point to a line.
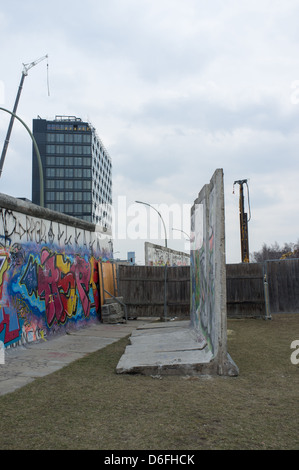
288	250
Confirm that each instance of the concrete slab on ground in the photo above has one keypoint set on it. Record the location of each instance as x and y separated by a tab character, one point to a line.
25	363
169	348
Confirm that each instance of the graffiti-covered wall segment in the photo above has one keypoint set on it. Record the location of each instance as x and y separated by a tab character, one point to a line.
49	277
157	255
208	272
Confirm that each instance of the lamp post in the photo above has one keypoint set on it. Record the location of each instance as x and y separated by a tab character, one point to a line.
41	177
182	232
140	202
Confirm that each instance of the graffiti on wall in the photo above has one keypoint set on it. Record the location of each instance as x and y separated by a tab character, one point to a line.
49	277
202	265
26	229
156	255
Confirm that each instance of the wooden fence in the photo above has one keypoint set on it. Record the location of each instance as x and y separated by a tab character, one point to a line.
262	289
245	294
283	279
154	291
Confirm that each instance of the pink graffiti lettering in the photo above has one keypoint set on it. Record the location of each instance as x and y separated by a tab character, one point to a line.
81	272
48	280
57	287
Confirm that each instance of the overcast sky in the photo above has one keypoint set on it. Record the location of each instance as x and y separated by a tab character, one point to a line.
175	90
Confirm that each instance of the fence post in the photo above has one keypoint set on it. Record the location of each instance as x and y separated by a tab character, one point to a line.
266	291
165	292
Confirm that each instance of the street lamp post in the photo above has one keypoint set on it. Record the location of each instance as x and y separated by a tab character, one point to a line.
41	177
140	202
182	232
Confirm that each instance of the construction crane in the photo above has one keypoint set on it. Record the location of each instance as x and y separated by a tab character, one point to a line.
26	68
243	221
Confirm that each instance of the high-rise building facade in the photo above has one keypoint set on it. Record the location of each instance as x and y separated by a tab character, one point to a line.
77	169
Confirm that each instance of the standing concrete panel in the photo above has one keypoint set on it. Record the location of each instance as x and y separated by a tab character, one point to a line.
198	346
208	273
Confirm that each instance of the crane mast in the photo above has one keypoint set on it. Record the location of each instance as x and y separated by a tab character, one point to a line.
243	222
26	67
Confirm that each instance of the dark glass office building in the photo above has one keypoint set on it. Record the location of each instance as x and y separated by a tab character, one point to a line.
77	169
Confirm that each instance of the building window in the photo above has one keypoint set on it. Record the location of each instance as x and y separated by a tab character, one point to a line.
50	172
69	138
78	196
86	196
59	207
59	148
87	138
59	184
69	208
86	172
78	161
59	172
69	184
50	184
50	196
86	184
69	161
50	148
60	138
86	150
78	172
60	196
77	208
87	208
77	184
60	161
69	196
50	161
78	138
50	138
69	172
87	161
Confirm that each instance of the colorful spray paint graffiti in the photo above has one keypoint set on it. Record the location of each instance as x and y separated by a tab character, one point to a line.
49	283
44	292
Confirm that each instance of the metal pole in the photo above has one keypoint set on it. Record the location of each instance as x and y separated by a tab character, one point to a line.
41	176
189	239
266	292
139	202
165	292
6	142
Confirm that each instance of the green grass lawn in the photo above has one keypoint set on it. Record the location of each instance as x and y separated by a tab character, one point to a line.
87	405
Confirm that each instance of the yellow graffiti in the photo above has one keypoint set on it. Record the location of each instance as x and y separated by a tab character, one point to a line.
4	265
71	299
